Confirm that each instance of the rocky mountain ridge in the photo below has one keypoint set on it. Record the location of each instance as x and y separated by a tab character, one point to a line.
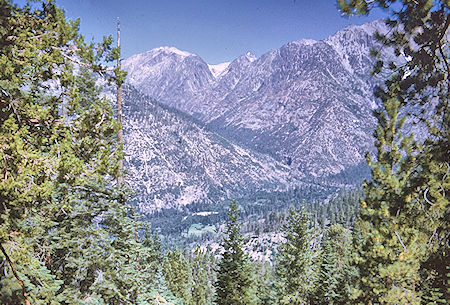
173	160
308	104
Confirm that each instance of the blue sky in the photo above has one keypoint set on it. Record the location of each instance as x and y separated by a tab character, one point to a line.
216	30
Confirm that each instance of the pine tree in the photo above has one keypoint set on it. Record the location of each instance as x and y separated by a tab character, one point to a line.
62	227
161	294
295	270
203	277
177	273
234	275
419	34
148	261
335	274
31	132
390	254
265	283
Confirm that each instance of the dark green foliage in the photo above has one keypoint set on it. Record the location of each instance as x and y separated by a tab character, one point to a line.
295	269
265	283
174	222
177	273
190	277
335	273
203	277
389	254
342	209
234	285
415	210
70	238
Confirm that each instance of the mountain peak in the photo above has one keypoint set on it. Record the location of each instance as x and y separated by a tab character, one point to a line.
167	49
250	56
305	42
246	58
307	103
137	60
369	28
218	69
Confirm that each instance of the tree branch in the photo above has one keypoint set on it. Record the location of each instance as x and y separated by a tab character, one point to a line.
24	291
442	34
425	196
404	247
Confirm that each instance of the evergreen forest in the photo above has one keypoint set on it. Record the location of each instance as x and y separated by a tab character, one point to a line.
70	233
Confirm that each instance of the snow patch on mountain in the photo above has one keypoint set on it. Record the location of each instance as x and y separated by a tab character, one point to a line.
250	56
172	50
218	69
305	42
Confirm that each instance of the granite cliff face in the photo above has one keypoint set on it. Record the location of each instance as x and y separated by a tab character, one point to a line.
168	75
308	104
173	160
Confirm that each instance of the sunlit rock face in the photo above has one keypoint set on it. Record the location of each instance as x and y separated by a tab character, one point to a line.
174	160
308	104
202	134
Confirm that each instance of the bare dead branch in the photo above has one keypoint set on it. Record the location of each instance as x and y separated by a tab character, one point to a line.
24	291
404	247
